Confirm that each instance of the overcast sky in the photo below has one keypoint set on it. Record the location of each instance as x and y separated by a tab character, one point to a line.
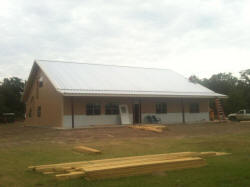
200	37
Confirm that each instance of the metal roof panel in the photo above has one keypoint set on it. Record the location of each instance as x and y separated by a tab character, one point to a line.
72	78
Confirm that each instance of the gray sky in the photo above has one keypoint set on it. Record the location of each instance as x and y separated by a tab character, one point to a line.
199	37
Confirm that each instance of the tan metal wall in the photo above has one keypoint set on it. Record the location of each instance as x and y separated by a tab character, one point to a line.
51	103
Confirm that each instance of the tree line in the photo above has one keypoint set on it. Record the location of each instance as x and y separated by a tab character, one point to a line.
11	90
237	90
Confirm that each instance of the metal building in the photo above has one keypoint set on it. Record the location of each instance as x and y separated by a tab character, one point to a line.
71	95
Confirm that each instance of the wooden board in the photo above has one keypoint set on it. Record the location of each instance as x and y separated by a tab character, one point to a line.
154	128
70	175
85	149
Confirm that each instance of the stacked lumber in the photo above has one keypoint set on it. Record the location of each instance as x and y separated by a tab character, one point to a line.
154	128
126	166
138	168
85	149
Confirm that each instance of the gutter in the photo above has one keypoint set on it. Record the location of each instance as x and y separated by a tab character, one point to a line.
144	95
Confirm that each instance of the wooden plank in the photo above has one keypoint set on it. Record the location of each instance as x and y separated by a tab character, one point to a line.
147	128
150	127
54	169
48	173
70	175
207	154
85	149
222	153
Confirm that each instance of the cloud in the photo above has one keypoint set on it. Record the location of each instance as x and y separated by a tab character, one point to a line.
190	37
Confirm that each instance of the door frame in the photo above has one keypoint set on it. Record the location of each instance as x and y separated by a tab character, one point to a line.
136	113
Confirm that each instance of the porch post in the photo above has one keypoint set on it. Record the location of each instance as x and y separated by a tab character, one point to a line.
183	111
72	112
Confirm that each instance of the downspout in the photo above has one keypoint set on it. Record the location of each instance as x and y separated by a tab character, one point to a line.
140	111
183	111
72	112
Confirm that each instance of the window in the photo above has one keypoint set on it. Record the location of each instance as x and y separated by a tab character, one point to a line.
30	113
39	111
112	108
37	90
123	109
161	108
194	108
40	82
93	109
39	85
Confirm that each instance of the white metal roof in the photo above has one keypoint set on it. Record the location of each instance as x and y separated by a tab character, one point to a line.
73	79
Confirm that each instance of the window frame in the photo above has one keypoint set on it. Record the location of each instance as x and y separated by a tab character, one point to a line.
93	109
40	82
161	108
111	109
37	89
194	108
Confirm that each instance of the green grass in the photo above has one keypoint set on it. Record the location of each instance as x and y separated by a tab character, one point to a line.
231	170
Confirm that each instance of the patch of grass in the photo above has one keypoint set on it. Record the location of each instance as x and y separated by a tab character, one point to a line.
231	170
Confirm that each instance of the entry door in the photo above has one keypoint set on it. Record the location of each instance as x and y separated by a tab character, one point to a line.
137	113
124	114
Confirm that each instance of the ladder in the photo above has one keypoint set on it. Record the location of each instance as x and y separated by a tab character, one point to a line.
220	111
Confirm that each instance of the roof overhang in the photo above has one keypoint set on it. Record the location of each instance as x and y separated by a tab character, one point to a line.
138	94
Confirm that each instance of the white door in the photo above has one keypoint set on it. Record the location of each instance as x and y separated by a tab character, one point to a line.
124	114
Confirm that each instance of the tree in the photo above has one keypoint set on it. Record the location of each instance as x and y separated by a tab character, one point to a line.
195	79
245	76
237	90
10	96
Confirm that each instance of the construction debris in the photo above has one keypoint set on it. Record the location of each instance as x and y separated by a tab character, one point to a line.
86	149
126	166
155	128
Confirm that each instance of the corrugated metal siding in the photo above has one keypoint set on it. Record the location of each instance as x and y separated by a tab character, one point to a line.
82	78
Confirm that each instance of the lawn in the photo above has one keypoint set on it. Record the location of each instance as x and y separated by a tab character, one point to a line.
22	146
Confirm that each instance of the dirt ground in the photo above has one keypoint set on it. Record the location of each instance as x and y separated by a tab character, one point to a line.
18	133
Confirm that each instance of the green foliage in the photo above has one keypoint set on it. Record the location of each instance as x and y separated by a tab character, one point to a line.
10	96
237	89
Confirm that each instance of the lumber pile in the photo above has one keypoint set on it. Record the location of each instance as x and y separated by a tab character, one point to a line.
85	149
126	166
143	167
155	128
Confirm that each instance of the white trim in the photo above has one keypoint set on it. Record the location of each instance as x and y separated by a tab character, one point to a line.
140	95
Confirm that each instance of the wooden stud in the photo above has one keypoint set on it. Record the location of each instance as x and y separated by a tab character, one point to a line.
86	149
